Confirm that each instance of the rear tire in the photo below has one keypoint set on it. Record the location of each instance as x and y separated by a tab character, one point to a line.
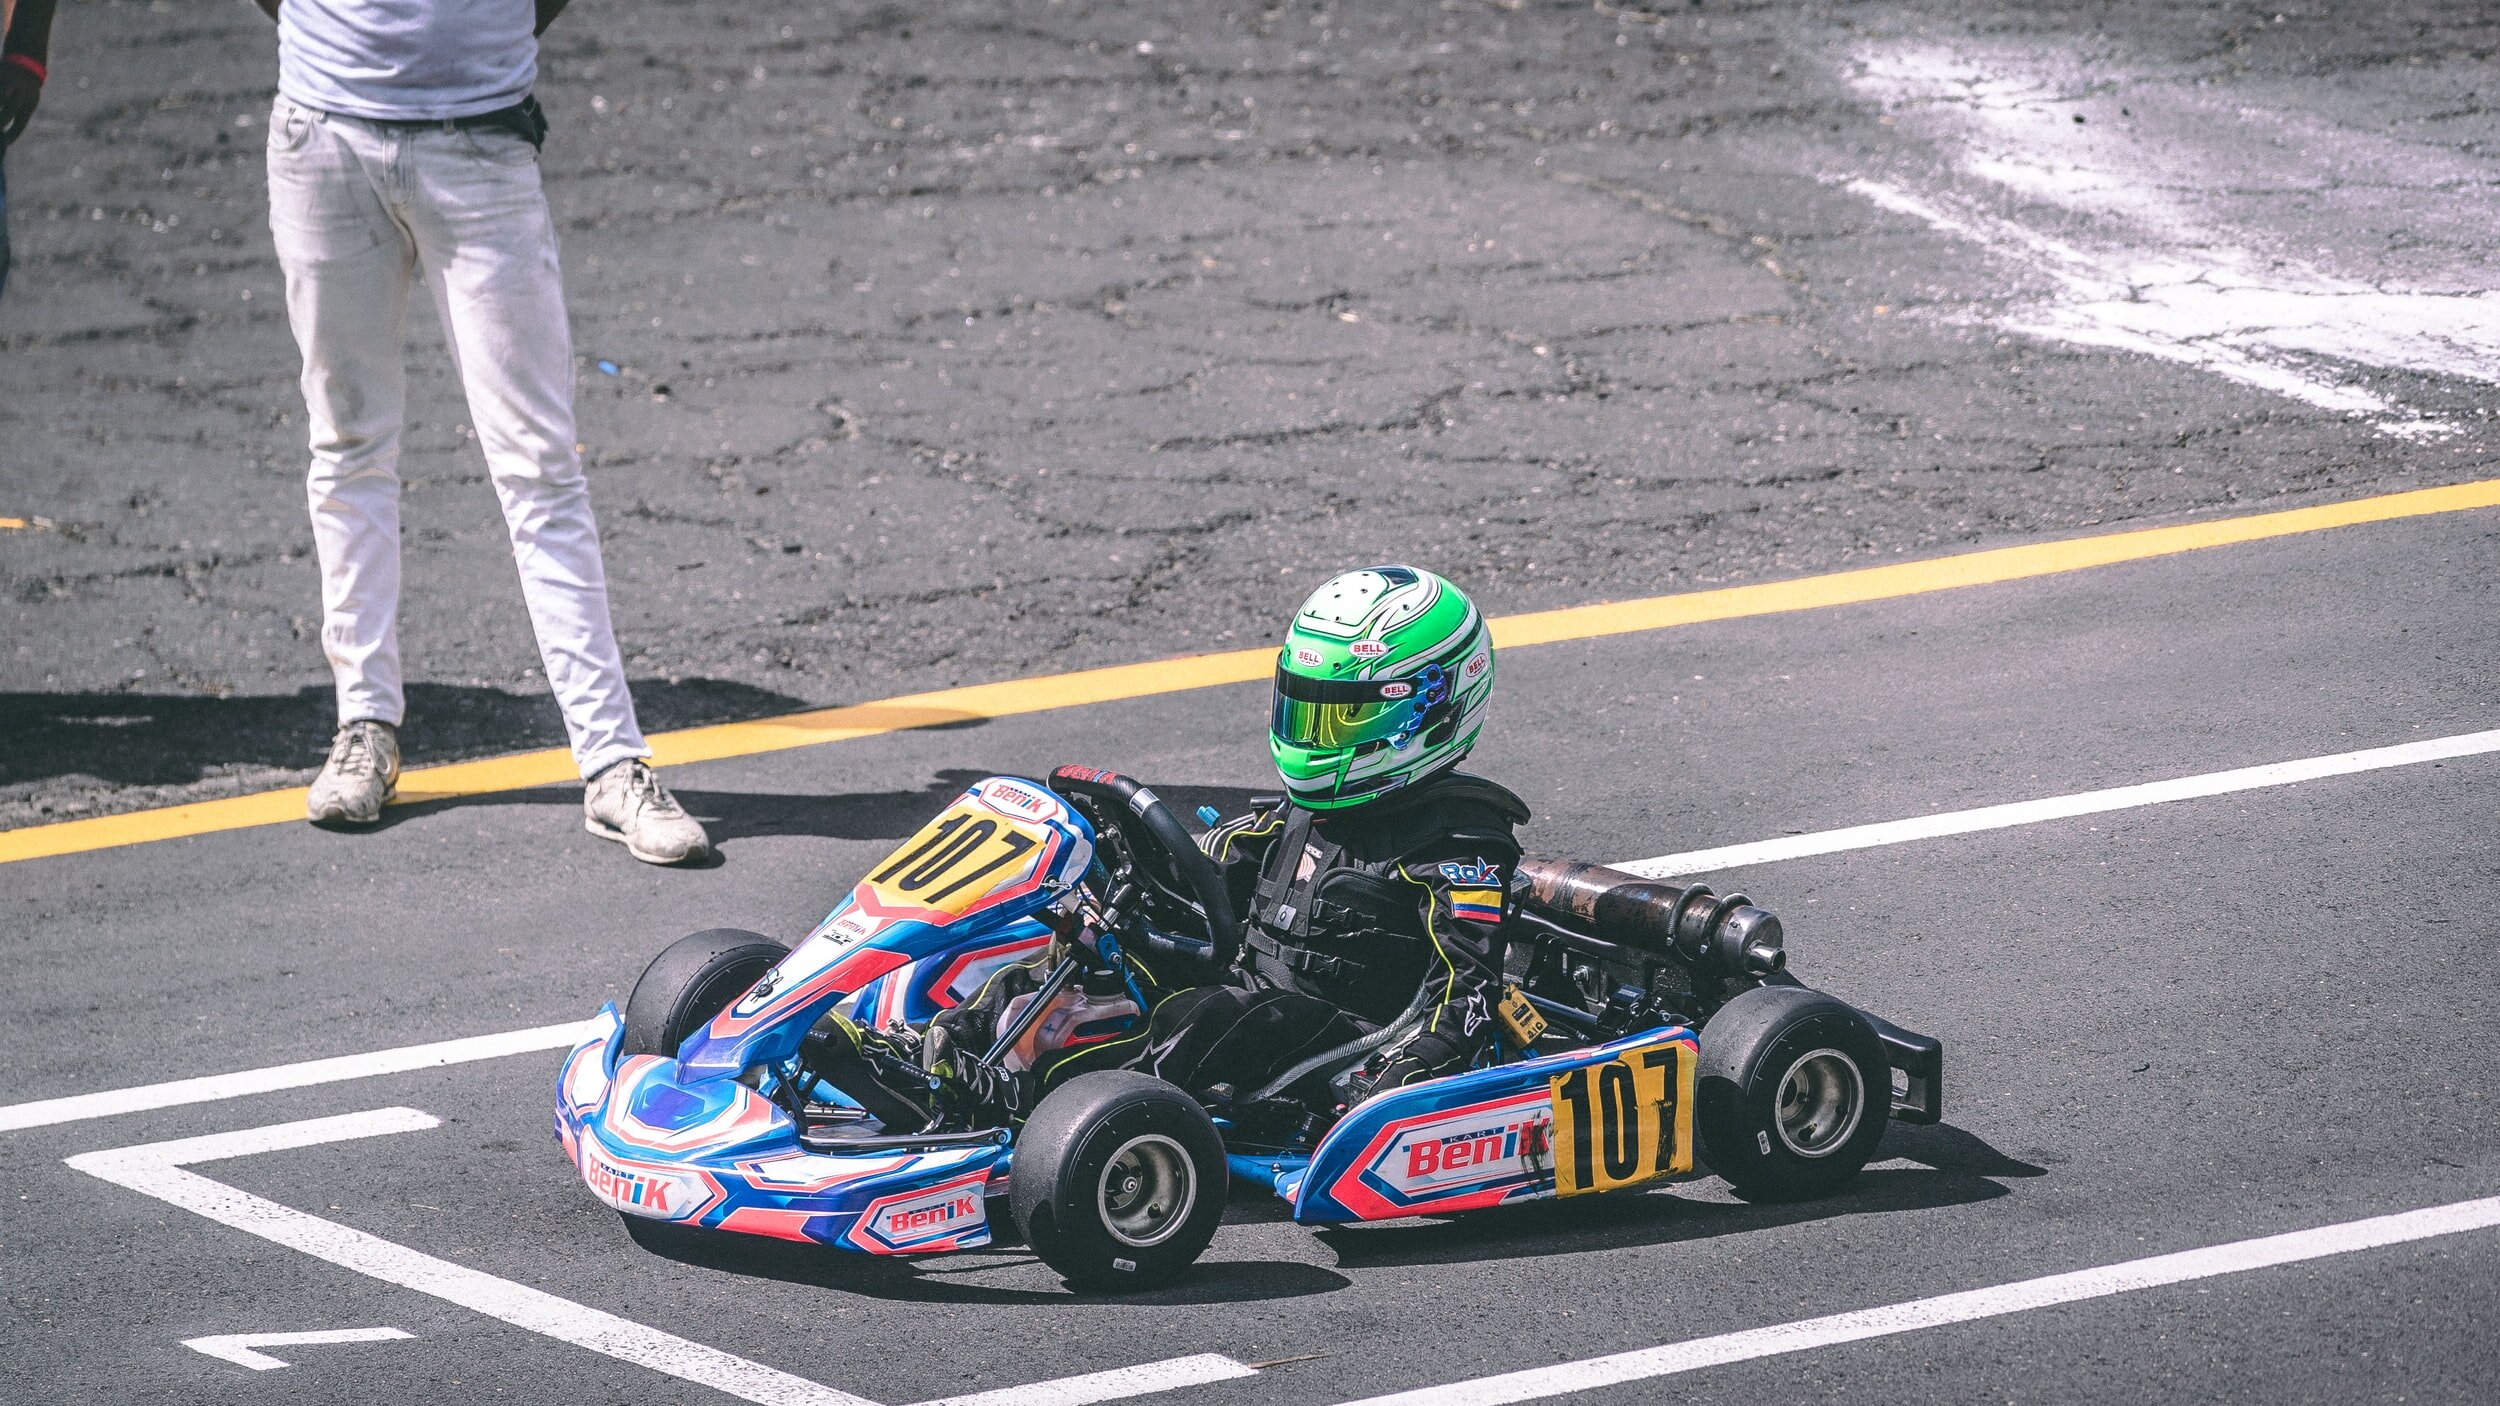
1119	1181
692	980
1792	1095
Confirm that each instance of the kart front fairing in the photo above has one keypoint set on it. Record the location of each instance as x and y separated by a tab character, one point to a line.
716	1153
689	1140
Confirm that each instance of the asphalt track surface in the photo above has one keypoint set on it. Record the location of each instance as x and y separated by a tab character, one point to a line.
2171	1027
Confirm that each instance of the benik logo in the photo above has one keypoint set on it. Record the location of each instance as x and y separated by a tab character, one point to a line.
1015	800
1478	1148
625	1191
903	1223
934	1217
1465	1150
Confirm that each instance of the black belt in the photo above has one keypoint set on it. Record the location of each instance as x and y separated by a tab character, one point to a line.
1324	965
524	119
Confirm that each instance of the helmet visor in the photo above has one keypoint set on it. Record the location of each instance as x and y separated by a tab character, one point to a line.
1331	715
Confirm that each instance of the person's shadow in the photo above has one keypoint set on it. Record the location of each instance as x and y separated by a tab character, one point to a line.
149	739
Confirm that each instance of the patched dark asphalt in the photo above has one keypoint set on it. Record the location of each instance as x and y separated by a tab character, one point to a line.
954	345
1331	307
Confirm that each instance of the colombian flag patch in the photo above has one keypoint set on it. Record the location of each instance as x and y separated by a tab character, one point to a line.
1476	905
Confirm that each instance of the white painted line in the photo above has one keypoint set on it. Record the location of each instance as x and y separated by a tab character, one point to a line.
1892	832
1998	817
237	1347
1113	1385
213	1087
1970	1305
156	1170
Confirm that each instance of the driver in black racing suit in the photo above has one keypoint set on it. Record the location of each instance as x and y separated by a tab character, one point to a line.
1374	892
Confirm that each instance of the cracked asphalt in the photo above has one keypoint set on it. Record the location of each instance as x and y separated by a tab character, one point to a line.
934	344
953	343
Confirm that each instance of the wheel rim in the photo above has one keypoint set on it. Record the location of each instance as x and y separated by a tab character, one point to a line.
1148	1188
1821	1099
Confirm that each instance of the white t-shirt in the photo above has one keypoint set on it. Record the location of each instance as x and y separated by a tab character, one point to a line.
409	59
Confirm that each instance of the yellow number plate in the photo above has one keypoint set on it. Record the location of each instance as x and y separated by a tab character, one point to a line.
968	853
1626	1121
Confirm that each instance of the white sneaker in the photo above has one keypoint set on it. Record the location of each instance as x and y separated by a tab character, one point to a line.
362	773
627	803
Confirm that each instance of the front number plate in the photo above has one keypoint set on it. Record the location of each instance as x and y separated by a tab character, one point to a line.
1626	1121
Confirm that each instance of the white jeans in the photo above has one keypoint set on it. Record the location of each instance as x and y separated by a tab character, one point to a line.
358	211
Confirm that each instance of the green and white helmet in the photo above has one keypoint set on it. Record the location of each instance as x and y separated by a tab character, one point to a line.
1383	681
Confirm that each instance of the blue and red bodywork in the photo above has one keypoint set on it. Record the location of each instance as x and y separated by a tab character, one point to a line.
698	1139
1457	1143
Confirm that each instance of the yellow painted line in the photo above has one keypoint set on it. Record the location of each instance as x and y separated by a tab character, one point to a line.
1015	697
12	524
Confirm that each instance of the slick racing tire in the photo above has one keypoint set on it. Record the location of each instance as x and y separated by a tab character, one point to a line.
1119	1181
692	980
1792	1094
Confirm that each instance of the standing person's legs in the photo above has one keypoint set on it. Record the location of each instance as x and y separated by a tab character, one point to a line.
348	263
488	247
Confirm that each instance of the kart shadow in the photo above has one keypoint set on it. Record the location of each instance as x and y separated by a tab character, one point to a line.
951	1279
731	816
1956	1168
884	815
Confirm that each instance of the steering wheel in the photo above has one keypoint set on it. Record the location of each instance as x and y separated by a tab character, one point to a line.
1163	850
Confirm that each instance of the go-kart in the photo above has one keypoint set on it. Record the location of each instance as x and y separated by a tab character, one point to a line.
1643	1017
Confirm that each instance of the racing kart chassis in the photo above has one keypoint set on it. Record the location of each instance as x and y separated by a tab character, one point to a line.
1652	1020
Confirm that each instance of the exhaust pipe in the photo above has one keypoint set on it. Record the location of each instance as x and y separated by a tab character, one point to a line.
1724	936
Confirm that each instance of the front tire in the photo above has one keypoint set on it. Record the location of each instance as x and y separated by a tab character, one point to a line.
1119	1181
1792	1095
692	980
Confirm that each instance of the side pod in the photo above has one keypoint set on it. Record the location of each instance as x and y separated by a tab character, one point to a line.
1460	1142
